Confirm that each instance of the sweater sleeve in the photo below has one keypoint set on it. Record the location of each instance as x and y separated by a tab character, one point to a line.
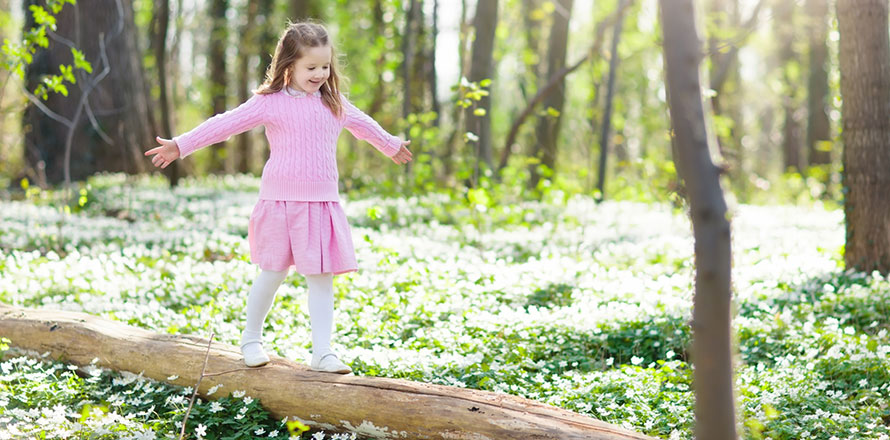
222	126
365	128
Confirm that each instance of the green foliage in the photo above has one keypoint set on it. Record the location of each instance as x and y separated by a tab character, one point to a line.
15	55
580	305
43	399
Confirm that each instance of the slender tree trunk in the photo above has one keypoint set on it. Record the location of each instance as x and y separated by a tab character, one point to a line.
409	43
725	80
379	28
160	23
216	59
175	44
818	124
531	60
119	102
431	74
5	138
268	38
607	113
711	350
305	9
413	62
246	52
784	15
864	54
548	126
482	67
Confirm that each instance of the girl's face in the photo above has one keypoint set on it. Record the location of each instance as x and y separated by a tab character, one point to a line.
312	69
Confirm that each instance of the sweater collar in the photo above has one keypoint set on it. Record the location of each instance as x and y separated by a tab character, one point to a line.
299	93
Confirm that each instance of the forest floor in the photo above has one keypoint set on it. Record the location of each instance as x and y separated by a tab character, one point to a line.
580	305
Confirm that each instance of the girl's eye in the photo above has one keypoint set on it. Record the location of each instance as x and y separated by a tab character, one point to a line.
311	68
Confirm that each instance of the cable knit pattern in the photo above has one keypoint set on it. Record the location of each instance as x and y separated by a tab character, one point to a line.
302	134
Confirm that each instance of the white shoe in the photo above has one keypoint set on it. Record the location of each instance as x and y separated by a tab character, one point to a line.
329	363
254	355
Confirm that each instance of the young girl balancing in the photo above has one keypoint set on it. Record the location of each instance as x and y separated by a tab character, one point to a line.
298	220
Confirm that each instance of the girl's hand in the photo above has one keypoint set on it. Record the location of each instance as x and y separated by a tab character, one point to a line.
165	154
403	156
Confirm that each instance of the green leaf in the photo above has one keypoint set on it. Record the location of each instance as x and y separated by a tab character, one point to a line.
80	61
67	73
41	17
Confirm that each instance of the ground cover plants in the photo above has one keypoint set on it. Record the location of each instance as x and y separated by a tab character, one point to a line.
571	303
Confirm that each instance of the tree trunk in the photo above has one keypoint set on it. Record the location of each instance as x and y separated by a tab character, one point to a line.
607	112
118	102
305	9
548	125
268	38
431	74
378	28
5	136
380	407
725	80
865	88
784	15
711	349
818	124
160	21
216	60
482	67
531	61
409	43
246	52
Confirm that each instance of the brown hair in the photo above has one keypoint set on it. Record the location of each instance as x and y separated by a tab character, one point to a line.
295	38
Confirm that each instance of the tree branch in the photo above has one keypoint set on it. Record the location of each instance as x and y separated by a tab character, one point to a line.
554	81
723	70
46	110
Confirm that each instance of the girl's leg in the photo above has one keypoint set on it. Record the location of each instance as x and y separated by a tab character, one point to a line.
321	313
259	302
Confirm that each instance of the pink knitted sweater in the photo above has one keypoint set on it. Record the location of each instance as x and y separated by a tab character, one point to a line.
302	134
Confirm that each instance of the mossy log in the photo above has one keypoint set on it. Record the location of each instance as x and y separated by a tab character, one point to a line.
378	407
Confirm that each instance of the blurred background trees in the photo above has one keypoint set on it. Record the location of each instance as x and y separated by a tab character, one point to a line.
771	75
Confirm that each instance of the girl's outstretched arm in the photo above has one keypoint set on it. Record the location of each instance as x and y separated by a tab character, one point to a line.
366	128
223	126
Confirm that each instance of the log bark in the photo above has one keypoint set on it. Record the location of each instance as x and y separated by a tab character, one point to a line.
711	315
379	407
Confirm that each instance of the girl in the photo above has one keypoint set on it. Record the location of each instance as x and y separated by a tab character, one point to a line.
298	220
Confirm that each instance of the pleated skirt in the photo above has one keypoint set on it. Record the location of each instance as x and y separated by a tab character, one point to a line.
313	237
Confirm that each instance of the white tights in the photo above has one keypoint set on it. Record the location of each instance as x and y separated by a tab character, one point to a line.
321	308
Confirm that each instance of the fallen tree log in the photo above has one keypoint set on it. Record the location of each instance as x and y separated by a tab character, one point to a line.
378	407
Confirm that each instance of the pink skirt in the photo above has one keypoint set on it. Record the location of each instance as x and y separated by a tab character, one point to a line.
314	237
